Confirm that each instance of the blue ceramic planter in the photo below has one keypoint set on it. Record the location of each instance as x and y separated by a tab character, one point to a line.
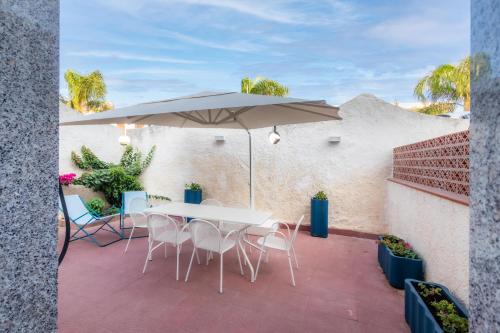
319	218
193	197
417	314
397	269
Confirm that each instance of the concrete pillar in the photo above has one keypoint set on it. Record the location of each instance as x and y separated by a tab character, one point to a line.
29	85
485	168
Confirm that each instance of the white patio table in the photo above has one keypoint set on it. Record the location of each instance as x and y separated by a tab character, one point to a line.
248	217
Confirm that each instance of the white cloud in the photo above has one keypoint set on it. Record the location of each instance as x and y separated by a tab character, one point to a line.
241	46
131	56
421	31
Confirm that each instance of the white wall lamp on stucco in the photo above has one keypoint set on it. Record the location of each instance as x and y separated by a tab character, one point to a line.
334	139
124	139
274	136
220	138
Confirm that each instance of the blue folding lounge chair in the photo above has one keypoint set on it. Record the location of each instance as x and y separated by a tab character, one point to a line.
82	217
127	198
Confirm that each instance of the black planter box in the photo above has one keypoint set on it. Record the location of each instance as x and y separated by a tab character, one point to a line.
418	316
397	269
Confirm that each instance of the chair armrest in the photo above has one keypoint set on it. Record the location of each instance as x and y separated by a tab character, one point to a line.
278	223
274	233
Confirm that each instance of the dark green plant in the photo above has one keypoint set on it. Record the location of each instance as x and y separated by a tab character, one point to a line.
111	179
320	196
158	197
96	205
451	321
193	187
442	309
399	247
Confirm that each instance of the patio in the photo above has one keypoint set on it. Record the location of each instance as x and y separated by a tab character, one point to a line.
340	288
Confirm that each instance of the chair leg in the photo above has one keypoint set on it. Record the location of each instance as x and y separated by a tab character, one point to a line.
208	257
258	263
239	259
295	258
197	257
177	263
148	257
267	257
165	249
221	272
128	242
291	268
190	263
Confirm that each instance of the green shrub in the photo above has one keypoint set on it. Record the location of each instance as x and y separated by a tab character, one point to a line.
96	205
111	182
109	178
399	247
443	310
320	196
193	187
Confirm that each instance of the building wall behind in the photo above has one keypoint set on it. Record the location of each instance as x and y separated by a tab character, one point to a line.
352	172
438	229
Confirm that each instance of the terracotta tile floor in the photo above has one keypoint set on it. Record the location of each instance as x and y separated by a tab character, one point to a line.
340	288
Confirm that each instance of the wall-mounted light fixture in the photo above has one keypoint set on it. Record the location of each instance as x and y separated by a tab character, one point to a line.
124	139
334	139
274	136
220	138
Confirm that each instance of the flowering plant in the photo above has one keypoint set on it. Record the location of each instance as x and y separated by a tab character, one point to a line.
67	178
399	247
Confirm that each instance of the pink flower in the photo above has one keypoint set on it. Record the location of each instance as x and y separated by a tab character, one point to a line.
408	245
67	178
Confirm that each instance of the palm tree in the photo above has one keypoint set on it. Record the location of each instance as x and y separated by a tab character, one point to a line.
263	86
445	87
86	92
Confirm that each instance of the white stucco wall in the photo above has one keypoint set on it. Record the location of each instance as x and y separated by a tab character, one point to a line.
438	229
352	172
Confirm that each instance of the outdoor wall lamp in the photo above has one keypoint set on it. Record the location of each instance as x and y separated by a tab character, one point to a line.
274	136
124	139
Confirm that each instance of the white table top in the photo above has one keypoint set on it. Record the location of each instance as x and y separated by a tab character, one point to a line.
206	212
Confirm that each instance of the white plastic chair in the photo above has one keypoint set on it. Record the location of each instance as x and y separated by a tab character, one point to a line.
206	236
279	241
139	220
164	230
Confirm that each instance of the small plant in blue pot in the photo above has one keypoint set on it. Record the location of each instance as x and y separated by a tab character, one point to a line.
193	193
319	215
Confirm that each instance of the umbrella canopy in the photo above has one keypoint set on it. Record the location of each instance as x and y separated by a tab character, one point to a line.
215	110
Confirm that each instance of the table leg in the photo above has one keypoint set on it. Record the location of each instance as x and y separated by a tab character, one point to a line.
252	272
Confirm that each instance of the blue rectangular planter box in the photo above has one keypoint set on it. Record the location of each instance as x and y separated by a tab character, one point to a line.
319	218
193	197
397	269
418	316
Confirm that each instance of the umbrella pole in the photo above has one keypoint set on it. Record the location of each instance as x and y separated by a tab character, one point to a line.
250	164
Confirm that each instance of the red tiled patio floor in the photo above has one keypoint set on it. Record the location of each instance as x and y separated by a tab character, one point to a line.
340	288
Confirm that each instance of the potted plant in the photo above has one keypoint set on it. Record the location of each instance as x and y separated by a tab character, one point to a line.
430	307
319	215
193	193
398	261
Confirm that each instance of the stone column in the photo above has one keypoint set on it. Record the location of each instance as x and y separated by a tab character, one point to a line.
29	85
485	168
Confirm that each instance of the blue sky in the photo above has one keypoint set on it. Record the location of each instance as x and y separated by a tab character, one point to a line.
322	49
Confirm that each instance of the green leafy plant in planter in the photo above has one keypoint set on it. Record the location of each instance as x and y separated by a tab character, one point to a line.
320	196
98	206
399	247
193	187
443	310
112	179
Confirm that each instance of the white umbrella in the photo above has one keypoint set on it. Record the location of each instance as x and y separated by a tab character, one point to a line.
216	110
